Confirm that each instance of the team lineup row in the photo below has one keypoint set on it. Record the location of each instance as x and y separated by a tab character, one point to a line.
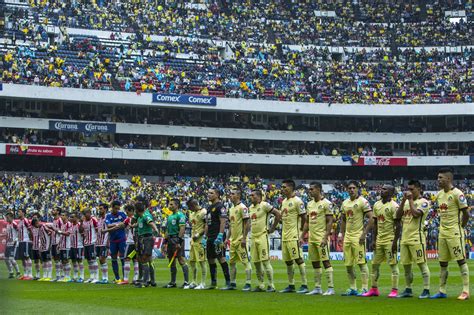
129	236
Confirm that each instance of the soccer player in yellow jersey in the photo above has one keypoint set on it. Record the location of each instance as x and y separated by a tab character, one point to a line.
454	216
239	226
353	234
197	217
413	211
387	231
259	212
292	211
319	224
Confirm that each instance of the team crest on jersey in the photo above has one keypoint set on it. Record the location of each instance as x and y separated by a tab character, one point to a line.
350	213
462	198
381	218
193	222
443	207
424	205
450	198
314	215
173	222
232	218
223	211
320	207
290	205
254	216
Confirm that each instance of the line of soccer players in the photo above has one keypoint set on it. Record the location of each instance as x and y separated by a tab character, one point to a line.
72	238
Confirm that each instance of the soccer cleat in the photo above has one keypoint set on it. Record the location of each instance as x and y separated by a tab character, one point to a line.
464	296
258	289
47	279
18	275
288	289
66	279
88	280
362	292
152	284
247	287
371	292
123	282
94	281
11	276
350	292
191	286
170	285
184	286
393	293
40	279
439	295
303	289
36	278
139	285
117	281
230	286
103	281
72	280
200	287
212	286
316	291
406	294
330	291
80	280
425	294
27	278
270	289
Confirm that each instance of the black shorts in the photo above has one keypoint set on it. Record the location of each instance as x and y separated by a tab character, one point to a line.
55	252
77	253
89	252
145	245
172	242
36	254
101	251
213	252
11	252
45	256
64	254
129	248
24	250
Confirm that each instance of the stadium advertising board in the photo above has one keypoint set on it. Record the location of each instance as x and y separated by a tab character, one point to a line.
15	149
381	161
471	159
60	125
184	99
1	87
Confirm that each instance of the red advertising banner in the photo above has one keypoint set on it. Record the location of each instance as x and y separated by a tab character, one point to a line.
381	161
26	149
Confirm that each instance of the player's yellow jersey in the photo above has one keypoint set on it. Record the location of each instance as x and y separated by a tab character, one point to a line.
413	228
259	218
449	204
354	210
237	215
291	209
385	213
198	221
317	212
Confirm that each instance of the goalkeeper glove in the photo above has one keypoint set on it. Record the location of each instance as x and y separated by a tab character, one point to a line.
219	240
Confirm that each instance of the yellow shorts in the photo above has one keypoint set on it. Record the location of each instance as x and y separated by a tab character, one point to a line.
196	252
318	253
260	249
291	250
238	253
451	249
354	253
382	253
412	253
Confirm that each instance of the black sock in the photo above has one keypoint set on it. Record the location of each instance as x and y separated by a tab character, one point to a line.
225	270
185	273
213	269
174	271
152	272
146	273
122	261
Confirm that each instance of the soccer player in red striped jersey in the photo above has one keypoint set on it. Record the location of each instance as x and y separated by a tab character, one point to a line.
77	247
56	213
65	246
36	257
102	243
12	246
24	248
89	227
44	247
130	246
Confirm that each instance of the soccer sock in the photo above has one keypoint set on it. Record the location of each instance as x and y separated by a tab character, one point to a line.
29	268
269	271
465	277
302	268
44	265
135	270
317	277
203	272
37	269
76	269
126	270
185	272
259	272
59	269
9	265
425	272
23	264
248	273
140	272
408	276
395	275
174	271
67	269
14	264
352	277
193	271
151	268
443	278
146	272
49	269
81	270
375	275
291	274
330	277
364	276
225	270
105	271
233	272
122	261
115	269
213	269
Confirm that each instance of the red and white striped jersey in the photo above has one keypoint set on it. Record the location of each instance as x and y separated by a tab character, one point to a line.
76	237
65	240
12	234
45	238
23	227
102	238
90	231
36	239
55	237
129	230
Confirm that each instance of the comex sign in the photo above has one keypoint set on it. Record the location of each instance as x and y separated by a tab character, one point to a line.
81	127
184	99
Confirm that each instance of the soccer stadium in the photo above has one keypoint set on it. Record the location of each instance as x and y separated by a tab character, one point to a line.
217	156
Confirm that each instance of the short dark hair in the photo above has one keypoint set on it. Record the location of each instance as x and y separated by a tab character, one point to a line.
139	207
192	202
216	190
142	199
258	192
34	221
116	203
175	200
86	211
58	210
317	185
238	190
415	182
445	170
353	182
9	214
129	208
104	205
290	182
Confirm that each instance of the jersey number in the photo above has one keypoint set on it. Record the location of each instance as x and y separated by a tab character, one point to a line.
456	250
293	250
419	253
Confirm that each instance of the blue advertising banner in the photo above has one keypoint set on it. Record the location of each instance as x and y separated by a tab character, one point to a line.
184	99
471	158
91	127
1	86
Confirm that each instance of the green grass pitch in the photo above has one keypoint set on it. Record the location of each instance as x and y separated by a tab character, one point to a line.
20	297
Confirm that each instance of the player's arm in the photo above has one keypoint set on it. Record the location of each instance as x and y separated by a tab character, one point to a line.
342	231
399	212
329	223
276	220
375	231
305	228
245	229
153	225
370	223
398	232
416	213
465	216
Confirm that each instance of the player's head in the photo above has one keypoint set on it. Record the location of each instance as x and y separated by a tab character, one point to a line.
129	210
87	214
35	215
56	212
73	217
142	199
64	216
315	190
387	191
139	208
235	195
35	222
414	186
288	186
174	204
353	189
21	214
103	208
445	178
192	204
256	196
115	206
9	217
213	194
